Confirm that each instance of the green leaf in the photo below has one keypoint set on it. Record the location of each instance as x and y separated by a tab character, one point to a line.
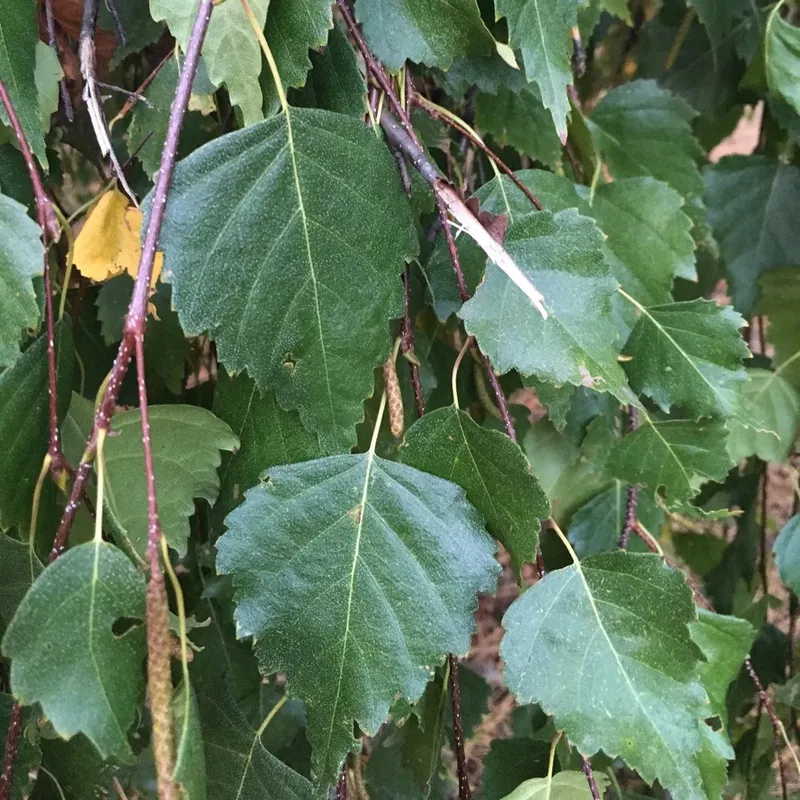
491	469
719	17
688	355
165	346
238	765
641	129
140	28
293	28
649	236
335	82
267	435
770	415
782	57
24	423
752	209
149	121
19	35
562	786
190	765
541	30
520	120
561	254
725	642
20	569
379	542
780	297
186	454
594	636
677	456
29	754
231	51
510	762
597	526
21	254
48	74
569	474
787	554
65	655
430	32
300	290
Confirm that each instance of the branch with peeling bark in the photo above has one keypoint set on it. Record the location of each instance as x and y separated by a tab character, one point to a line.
91	93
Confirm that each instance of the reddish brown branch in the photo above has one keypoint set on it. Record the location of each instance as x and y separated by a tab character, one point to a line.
434	112
763	553
587	770
375	68
766	702
136	317
464	792
58	464
48	222
10	752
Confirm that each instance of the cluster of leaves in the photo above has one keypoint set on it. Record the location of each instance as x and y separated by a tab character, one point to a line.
328	555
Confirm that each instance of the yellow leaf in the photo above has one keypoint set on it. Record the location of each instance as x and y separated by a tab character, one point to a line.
109	242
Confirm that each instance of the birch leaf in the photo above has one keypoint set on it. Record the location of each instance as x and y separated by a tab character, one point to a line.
292	262
372	604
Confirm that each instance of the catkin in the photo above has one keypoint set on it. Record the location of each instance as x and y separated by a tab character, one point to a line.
394	397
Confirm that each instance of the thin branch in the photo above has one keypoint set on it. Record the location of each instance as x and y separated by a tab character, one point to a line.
136	316
762	558
434	112
51	37
10	752
629	523
587	770
464	792
376	68
91	94
58	465
766	701
460	211
341	786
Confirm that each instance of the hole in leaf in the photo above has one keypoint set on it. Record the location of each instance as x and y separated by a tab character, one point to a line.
289	361
124	625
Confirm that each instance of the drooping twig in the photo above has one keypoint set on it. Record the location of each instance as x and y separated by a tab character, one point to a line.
464	792
11	750
48	222
461	212
375	68
136	316
455	259
434	112
777	728
91	93
587	770
341	786
57	463
51	37
762	557
112	7
629	522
